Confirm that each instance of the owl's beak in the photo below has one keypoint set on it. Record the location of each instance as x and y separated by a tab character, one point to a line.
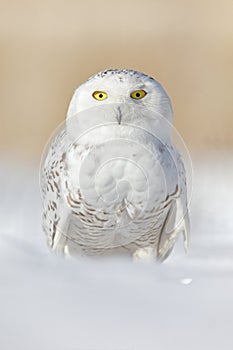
119	115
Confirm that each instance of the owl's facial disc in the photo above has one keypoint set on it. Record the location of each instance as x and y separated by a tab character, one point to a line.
127	88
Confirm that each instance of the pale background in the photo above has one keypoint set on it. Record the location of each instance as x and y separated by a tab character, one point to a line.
49	47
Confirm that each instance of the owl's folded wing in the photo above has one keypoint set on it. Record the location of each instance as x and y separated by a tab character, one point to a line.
55	211
177	220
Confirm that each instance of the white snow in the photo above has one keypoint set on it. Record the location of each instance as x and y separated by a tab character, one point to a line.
47	302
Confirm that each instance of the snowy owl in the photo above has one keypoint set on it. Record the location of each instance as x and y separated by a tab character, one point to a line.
112	182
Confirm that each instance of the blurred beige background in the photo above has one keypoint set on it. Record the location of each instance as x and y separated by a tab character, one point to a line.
49	47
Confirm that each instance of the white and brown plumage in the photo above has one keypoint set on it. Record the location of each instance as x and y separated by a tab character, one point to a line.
112	181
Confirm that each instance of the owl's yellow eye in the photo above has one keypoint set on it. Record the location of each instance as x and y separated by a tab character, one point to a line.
138	94
100	95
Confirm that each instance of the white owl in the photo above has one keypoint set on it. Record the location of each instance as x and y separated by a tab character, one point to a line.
112	182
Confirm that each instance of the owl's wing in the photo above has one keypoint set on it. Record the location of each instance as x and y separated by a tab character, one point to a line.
177	219
55	211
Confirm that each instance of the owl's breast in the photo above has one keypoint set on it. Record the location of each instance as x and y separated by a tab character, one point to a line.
118	188
122	171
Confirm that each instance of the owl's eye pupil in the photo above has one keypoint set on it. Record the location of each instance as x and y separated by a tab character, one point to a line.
100	95
138	94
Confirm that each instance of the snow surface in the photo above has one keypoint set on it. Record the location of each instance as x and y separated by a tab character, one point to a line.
47	302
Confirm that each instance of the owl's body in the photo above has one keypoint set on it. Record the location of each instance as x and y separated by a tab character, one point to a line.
112	181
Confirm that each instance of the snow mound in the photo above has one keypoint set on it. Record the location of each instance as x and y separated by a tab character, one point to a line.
114	304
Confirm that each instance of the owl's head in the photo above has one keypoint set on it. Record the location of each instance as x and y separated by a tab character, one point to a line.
125	87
